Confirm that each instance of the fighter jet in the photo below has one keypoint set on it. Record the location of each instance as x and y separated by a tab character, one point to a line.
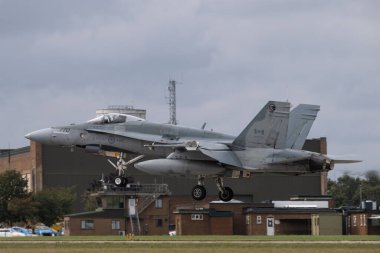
271	143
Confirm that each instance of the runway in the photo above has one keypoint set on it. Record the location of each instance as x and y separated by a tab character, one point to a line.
183	242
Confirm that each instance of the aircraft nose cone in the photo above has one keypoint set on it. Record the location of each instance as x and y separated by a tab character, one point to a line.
42	135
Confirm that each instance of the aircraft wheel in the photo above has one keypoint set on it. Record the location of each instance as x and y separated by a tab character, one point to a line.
198	192
120	181
226	195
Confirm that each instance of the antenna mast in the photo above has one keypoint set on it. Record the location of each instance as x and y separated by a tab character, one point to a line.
172	103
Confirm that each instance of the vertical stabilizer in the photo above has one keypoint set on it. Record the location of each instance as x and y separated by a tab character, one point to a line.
268	129
301	120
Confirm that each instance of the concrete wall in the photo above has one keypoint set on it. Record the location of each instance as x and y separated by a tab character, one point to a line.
330	224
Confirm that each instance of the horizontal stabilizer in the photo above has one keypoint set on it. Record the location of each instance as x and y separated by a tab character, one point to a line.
347	161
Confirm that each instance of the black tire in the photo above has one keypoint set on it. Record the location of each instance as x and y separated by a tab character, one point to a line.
120	181
226	195
198	192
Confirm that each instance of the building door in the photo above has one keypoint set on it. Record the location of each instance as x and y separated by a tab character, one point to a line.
315	224
270	226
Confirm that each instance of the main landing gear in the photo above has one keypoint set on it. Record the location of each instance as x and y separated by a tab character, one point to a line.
121	166
199	191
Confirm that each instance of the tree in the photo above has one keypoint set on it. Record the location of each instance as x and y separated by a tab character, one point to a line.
23	209
348	191
90	202
54	203
12	186
371	186
344	191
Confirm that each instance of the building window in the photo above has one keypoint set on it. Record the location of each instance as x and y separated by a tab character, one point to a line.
197	217
99	203
365	220
158	222
354	221
158	203
258	219
87	224
115	202
67	225
28	177
361	220
115	224
247	219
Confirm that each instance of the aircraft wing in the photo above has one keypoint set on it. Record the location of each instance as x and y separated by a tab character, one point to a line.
224	157
214	150
217	151
221	153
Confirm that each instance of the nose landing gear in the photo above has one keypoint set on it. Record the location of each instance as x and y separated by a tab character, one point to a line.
121	167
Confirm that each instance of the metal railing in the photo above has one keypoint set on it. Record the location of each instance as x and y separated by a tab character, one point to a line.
160	189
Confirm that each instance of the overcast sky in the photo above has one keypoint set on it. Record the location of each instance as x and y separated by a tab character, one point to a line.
62	60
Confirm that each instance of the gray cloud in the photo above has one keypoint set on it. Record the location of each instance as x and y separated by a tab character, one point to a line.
61	60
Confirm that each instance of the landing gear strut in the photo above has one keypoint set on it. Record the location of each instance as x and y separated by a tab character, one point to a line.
225	193
121	167
199	191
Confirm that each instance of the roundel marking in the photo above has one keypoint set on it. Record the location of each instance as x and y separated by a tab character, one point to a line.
272	107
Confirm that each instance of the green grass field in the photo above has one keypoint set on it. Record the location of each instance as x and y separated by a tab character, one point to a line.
63	247
200	238
187	244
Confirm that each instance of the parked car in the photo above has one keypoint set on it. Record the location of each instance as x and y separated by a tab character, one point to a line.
45	231
9	232
172	231
27	232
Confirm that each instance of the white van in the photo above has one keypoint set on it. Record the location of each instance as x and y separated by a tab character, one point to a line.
9	232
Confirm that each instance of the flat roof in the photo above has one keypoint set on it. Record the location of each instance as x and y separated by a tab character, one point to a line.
105	213
288	210
12	152
210	212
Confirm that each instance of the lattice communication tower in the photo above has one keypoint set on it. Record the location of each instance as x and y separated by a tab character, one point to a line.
172	103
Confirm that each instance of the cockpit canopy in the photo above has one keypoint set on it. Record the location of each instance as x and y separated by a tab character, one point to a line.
113	118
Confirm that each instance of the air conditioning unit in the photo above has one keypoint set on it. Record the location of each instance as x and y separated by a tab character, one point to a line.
122	233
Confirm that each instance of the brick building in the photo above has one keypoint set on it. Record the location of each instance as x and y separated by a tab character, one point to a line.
111	222
292	221
237	207
363	222
27	161
203	222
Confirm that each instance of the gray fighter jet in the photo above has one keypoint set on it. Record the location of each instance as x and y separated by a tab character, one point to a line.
271	142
